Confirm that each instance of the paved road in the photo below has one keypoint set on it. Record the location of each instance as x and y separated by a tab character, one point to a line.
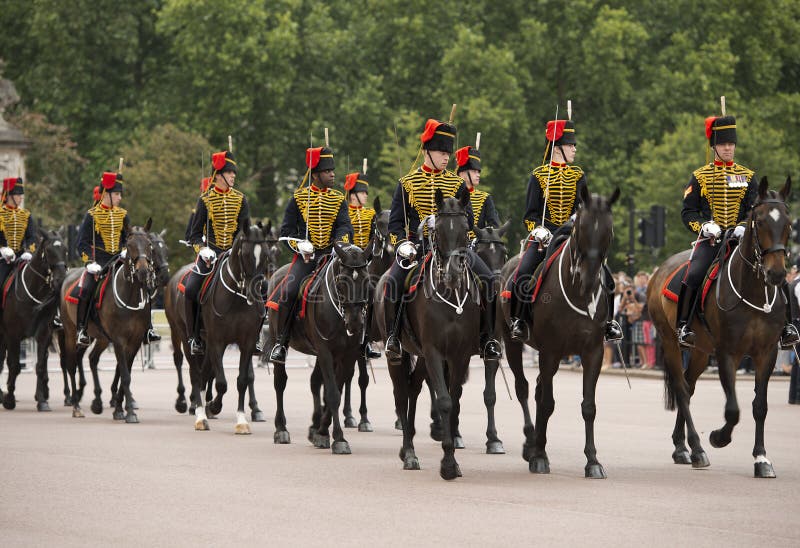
92	481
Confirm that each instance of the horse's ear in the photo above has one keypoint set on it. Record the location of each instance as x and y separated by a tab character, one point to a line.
464	198
246	226
583	194
503	228
260	225
439	199
339	249
268	227
162	233
148	225
786	191
60	231
763	187
376	204
614	198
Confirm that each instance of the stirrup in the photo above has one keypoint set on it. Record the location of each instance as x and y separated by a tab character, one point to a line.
789	337
278	354
152	336
490	349
393	348
613	331
196	347
259	349
518	329
369	352
56	323
83	340
686	336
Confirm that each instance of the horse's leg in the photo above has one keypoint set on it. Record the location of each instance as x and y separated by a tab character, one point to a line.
71	358
400	373
214	355
62	360
591	361
97	403
764	365
521	389
42	378
677	394
456	389
727	376
177	359
436	418
197	379
435	366
124	365
243	381
314	434
333	397
545	404
493	444
347	410
12	350
697	364
363	381
281	433
255	412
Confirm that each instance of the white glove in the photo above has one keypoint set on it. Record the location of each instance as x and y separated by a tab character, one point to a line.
93	269
541	235
430	221
710	229
8	254
304	247
407	250
208	255
26	256
124	252
738	232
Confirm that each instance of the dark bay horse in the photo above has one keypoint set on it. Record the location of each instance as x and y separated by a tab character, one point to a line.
441	325
31	302
329	328
568	318
742	316
122	318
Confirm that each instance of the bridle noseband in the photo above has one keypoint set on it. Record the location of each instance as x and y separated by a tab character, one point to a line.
759	250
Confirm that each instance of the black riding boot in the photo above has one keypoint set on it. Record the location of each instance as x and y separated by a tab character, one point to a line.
259	345
789	335
196	345
395	324
278	353
687	300
82	318
519	317
794	385
613	329
152	335
489	346
366	348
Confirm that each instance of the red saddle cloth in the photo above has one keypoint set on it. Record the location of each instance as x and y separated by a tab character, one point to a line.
74	291
9	281
305	285
672	285
206	282
540	273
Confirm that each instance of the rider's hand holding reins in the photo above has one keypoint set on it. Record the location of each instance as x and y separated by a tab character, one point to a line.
93	268
207	255
26	256
407	250
738	232
541	235
306	249
7	254
711	230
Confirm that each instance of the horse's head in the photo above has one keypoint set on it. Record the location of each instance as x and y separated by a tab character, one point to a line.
273	248
352	285
490	247
768	231
249	258
450	237
50	258
139	255
592	235
160	257
380	246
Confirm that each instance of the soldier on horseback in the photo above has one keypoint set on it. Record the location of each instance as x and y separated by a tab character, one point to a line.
555	187
315	217
17	234
413	202
469	169
220	213
719	197
356	188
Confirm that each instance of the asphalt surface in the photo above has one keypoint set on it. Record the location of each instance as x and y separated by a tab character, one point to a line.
97	482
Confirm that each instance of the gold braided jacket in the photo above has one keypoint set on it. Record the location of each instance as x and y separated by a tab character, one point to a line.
477	199
724	188
223	213
319	209
361	219
421	189
14	224
560	183
108	224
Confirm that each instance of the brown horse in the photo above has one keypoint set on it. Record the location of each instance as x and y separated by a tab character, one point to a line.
122	318
569	315
742	316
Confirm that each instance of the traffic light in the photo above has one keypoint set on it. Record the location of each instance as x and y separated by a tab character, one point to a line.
646	232
796	231
658	216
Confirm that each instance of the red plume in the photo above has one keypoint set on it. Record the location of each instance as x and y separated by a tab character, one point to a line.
555	129
96	194
218	160
462	156
109	179
9	183
709	123
205	183
312	157
350	181
430	129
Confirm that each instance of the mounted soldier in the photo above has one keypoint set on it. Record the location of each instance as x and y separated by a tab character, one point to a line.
552	199
315	217
17	228
362	219
220	213
204	184
719	197
414	202
484	213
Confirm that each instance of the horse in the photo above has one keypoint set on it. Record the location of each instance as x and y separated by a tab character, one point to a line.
743	314
31	301
441	325
174	310
381	252
569	316
329	326
121	318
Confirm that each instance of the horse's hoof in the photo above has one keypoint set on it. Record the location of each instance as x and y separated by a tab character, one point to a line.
526	452
215	408
398	425
191	409
312	434
449	471
67	402
411	462
340	448
350	422
595	471
180	406
112	403
495	448
716	439
77	414
97	406
43	407
242	428
458	442
539	465
119	415
257	415
436	432
322	442
131	418
364	426
282	437
763	470
681	457
9	401
201	425
700	460
134	405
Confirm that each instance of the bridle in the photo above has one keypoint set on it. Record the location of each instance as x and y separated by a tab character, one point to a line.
337	275
47	275
243	288
758	249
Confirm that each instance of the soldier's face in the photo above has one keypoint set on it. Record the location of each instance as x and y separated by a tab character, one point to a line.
725	151
569	153
116	198
438	158
472	177
326	178
15	200
358	198
225	180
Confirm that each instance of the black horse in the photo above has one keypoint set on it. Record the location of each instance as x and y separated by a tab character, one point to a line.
329	327
569	314
742	315
31	302
441	325
121	318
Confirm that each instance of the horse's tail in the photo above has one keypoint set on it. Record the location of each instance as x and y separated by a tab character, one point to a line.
669	391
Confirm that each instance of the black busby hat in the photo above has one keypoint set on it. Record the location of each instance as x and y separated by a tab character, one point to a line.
720	129
319	159
224	161
111	182
468	158
561	132
12	186
356	182
438	136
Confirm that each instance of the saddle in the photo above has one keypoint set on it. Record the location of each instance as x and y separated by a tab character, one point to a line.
305	287
209	281
10	280
672	285
75	289
553	252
